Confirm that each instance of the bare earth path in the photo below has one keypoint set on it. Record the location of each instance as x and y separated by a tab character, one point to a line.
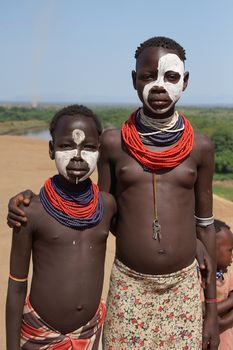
25	163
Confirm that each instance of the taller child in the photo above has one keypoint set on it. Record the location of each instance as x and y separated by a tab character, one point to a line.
161	175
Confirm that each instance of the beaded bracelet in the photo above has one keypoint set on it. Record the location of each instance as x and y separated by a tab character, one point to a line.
17	279
211	301
204	222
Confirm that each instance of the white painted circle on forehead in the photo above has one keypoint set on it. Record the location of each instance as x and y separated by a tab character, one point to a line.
78	136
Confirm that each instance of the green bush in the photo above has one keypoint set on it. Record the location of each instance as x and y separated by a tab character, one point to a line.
217	123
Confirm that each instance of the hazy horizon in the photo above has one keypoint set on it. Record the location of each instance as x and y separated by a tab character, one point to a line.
83	52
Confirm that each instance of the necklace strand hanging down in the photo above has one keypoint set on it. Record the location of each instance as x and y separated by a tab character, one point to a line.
156	227
176	132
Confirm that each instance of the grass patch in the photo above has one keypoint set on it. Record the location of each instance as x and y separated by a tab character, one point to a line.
18	127
223	177
223	191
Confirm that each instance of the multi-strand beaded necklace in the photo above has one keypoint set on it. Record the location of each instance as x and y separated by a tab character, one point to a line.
151	160
176	132
79	210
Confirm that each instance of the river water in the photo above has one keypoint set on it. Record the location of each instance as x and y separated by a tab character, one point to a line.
42	134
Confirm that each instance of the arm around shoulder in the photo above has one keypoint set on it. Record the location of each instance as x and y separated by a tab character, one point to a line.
16	216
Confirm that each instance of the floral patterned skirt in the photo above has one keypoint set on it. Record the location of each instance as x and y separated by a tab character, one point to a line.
153	311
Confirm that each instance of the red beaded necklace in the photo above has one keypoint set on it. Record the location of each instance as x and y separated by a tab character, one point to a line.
71	208
152	160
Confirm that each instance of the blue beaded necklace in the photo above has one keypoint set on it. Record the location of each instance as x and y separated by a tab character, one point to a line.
164	138
81	199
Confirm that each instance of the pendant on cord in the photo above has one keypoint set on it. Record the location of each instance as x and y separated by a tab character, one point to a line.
156	230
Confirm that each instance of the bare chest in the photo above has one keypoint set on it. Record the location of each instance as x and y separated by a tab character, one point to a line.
128	173
49	232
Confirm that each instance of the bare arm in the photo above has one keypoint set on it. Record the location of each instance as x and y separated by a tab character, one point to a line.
16	216
225	312
19	266
225	322
204	262
225	305
106	174
204	209
106	171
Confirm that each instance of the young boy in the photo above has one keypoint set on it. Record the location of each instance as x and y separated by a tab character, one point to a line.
224	276
160	174
68	225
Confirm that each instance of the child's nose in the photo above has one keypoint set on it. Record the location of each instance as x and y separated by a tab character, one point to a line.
157	88
78	153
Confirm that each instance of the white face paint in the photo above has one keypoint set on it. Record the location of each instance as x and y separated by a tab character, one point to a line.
91	158
168	62
62	158
78	136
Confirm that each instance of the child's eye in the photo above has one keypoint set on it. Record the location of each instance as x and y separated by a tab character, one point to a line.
172	76
89	147
65	146
146	77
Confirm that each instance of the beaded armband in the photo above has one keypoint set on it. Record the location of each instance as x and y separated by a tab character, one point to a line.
17	279
212	301
204	222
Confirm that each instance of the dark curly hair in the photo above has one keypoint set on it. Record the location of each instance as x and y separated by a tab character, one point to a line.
74	110
161	41
218	224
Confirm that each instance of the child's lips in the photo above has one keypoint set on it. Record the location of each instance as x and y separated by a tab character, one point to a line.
159	102
76	172
158	99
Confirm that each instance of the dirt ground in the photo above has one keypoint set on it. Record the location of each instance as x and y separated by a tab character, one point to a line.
25	163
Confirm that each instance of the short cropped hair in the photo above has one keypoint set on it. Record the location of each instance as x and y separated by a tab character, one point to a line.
161	41
218	225
71	111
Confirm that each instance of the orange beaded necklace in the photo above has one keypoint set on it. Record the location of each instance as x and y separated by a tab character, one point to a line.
152	160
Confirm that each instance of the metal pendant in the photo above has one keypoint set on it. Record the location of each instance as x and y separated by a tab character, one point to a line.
156	230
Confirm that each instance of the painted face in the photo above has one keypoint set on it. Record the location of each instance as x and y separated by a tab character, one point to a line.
167	63
75	147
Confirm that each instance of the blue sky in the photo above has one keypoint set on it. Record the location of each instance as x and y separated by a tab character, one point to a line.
83	51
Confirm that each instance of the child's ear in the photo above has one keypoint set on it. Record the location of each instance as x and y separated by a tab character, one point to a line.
51	150
134	74
186	79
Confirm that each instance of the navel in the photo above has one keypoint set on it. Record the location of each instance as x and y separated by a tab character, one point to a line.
161	251
79	307
55	237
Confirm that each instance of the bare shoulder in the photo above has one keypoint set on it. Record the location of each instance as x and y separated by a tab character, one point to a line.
203	143
203	153
33	208
110	137
109	202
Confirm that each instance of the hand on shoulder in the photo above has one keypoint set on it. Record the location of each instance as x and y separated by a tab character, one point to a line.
16	208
